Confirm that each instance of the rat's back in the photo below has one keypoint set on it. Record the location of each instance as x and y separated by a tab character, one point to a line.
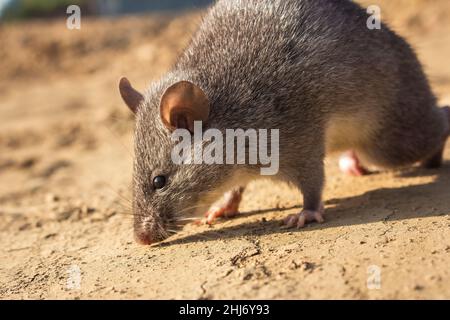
306	64
256	51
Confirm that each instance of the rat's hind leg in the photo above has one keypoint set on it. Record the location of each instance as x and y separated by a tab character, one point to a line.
406	140
350	164
227	206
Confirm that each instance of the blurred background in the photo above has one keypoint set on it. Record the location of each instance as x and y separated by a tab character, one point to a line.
66	143
23	9
63	125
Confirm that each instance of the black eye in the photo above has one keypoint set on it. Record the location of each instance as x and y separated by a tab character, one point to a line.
159	182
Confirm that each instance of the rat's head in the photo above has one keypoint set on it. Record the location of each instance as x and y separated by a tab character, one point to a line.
166	194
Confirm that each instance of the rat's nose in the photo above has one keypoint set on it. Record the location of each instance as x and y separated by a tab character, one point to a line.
143	238
147	229
146	238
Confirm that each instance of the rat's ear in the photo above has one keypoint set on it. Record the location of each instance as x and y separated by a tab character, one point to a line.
182	104
131	96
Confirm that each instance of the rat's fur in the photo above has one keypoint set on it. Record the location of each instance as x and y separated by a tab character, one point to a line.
310	68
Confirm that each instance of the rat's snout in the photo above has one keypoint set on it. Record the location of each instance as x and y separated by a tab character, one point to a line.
148	231
146	238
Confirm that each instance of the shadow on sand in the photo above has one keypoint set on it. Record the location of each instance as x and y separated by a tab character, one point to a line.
362	209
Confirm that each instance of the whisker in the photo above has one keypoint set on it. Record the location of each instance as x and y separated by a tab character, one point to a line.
125	213
123	201
188	208
185	219
128	151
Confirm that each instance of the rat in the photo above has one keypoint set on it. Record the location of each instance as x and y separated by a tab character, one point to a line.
310	68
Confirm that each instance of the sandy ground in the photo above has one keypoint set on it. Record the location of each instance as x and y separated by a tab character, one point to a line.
65	172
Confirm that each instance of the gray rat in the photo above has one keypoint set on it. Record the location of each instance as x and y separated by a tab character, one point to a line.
310	68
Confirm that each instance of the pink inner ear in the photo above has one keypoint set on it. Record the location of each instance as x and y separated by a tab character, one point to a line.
180	121
182	104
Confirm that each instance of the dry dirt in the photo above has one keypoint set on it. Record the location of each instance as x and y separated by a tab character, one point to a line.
65	172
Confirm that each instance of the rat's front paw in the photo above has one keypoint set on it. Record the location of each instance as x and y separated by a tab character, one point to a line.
226	207
299	220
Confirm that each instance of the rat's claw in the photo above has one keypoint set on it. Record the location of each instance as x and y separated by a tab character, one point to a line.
350	165
299	220
226	207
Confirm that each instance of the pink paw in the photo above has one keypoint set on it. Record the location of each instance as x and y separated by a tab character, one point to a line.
226	207
350	164
299	220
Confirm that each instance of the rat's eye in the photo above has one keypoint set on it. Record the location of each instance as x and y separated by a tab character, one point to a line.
159	182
